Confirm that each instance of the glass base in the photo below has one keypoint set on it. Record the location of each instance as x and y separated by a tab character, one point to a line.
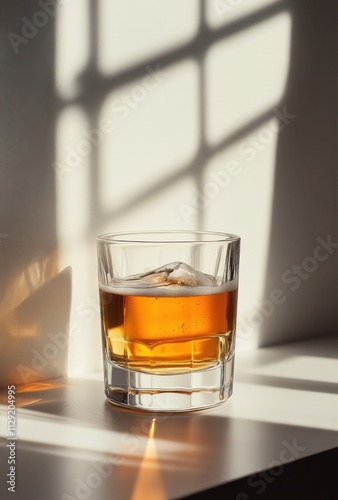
194	390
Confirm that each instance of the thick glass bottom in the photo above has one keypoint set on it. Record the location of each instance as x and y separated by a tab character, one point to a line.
194	390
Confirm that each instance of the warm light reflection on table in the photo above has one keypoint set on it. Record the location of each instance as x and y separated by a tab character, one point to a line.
149	484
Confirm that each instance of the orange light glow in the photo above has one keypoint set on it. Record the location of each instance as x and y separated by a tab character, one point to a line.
149	485
40	386
152	429
36	392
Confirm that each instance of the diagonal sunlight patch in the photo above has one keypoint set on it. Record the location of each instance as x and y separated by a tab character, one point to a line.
223	12
246	75
67	437
301	368
131	32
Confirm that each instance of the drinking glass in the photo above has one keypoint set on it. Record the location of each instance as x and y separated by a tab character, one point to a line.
168	317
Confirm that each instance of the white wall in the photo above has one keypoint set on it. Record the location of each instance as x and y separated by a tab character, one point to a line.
181	115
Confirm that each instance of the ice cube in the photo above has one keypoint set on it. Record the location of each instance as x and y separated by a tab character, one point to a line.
175	273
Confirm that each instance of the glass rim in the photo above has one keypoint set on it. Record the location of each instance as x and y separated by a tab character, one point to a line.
134	237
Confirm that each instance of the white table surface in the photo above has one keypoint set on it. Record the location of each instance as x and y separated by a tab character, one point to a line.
73	444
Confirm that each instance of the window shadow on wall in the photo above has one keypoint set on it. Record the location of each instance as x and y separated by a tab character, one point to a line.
96	87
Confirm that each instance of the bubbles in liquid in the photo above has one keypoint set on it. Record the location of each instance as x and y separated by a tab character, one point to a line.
173	274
